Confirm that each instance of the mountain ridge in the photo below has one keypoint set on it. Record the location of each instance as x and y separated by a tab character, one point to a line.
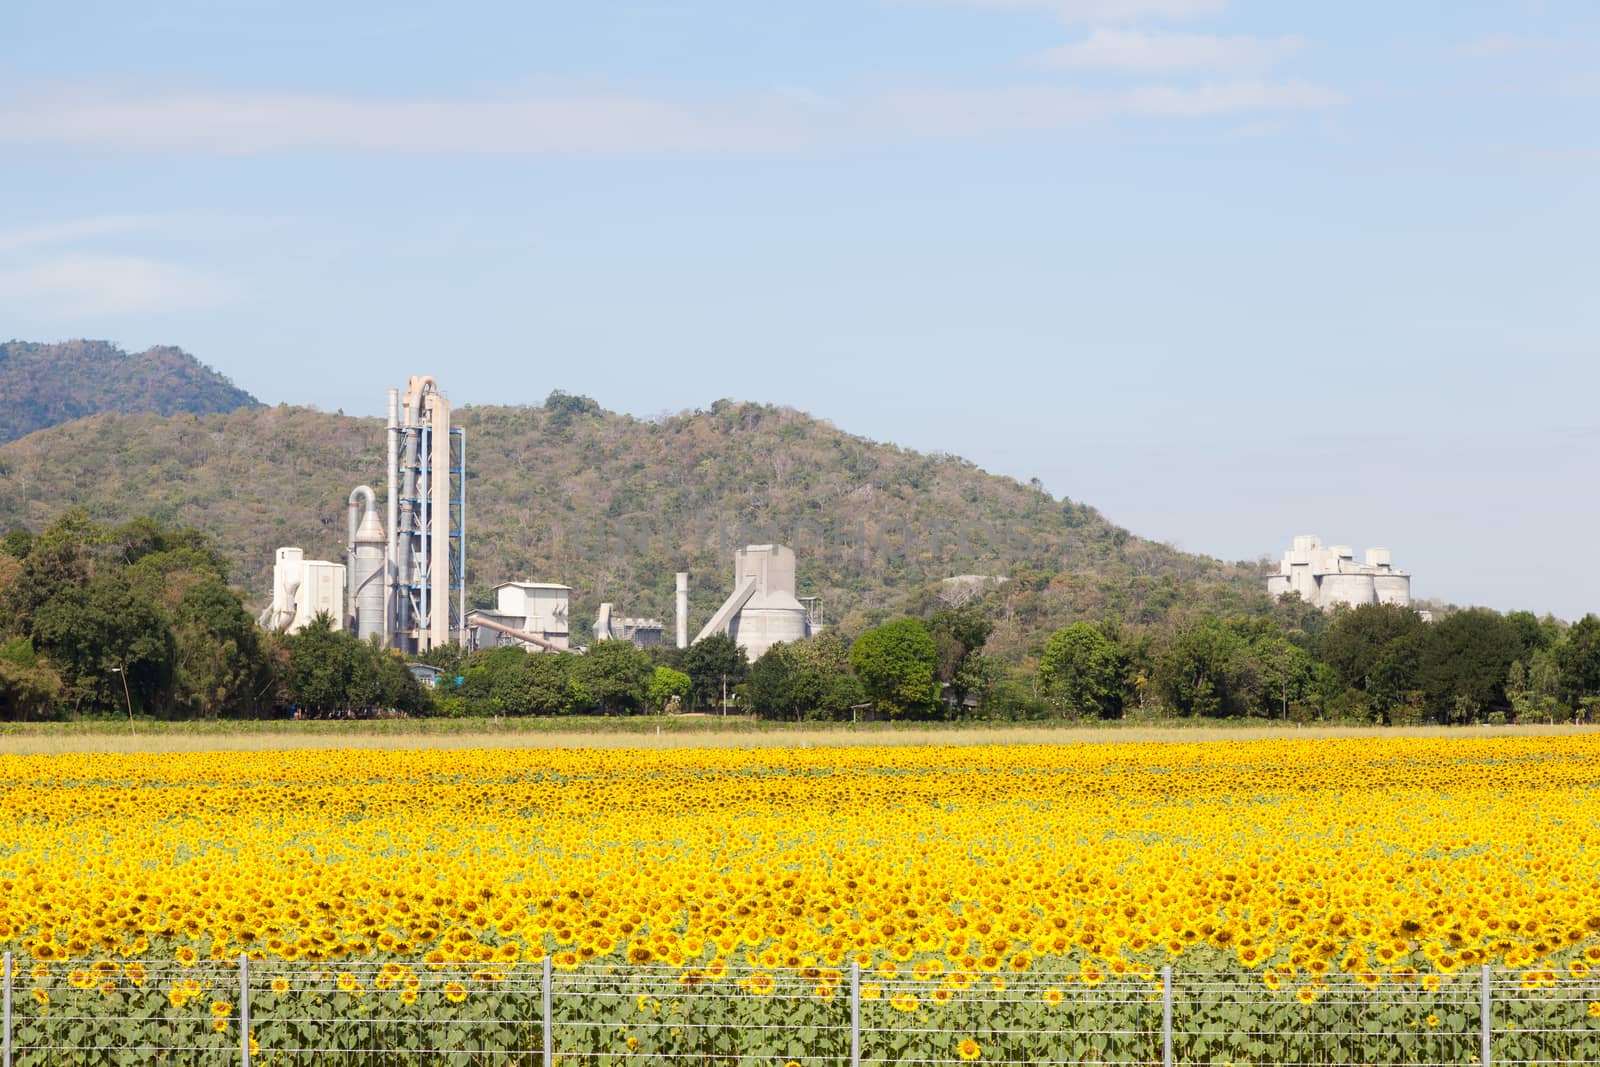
49	384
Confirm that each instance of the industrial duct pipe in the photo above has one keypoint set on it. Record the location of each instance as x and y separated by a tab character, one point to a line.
366	555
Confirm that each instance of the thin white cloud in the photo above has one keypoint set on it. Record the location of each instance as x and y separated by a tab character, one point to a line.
1493	45
90	285
1036	108
237	123
1082	11
244	123
1137	52
75	231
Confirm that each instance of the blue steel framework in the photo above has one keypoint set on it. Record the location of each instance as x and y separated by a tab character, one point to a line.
415	586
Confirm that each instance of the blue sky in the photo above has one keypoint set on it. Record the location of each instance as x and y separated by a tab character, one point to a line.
1229	271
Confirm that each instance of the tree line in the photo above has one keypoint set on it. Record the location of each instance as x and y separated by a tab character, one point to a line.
139	618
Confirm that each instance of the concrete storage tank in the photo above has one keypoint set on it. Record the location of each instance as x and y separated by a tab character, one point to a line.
1352	589
763	609
1328	576
1392	589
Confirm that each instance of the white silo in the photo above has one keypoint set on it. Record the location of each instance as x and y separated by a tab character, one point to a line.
763	609
1344	588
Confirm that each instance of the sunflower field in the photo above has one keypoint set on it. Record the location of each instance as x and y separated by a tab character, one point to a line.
1316	901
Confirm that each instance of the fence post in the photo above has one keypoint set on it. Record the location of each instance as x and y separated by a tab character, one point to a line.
7	1038
244	1009
1485	1019
1166	1016
549	1038
855	1013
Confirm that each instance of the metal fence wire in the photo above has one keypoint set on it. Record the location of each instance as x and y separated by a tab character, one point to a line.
364	1014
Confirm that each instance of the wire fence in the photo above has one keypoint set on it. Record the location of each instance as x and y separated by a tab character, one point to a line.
360	1014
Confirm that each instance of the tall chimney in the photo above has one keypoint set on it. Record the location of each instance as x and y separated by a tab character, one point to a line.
683	609
392	504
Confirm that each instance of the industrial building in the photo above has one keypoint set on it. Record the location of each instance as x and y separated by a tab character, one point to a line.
302	589
609	626
425	604
403	581
1329	575
531	614
763	609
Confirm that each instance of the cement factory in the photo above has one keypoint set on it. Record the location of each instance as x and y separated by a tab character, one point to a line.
403	580
1327	576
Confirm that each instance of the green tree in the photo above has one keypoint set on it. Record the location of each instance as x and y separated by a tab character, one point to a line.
1193	675
182	547
29	688
219	661
1578	658
779	686
1286	673
959	635
667	687
393	684
711	663
98	630
1465	661
327	667
17	543
895	664
1080	672
615	675
57	561
1376	650
819	683
535	684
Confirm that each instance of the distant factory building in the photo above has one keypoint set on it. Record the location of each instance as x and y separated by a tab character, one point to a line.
609	626
763	609
1329	575
302	589
531	614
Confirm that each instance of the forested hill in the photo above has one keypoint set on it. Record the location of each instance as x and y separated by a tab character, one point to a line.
614	505
46	385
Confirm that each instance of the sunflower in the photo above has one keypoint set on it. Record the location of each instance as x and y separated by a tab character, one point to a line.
969	1049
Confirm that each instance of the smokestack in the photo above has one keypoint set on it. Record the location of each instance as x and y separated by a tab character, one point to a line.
392	504
683	609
